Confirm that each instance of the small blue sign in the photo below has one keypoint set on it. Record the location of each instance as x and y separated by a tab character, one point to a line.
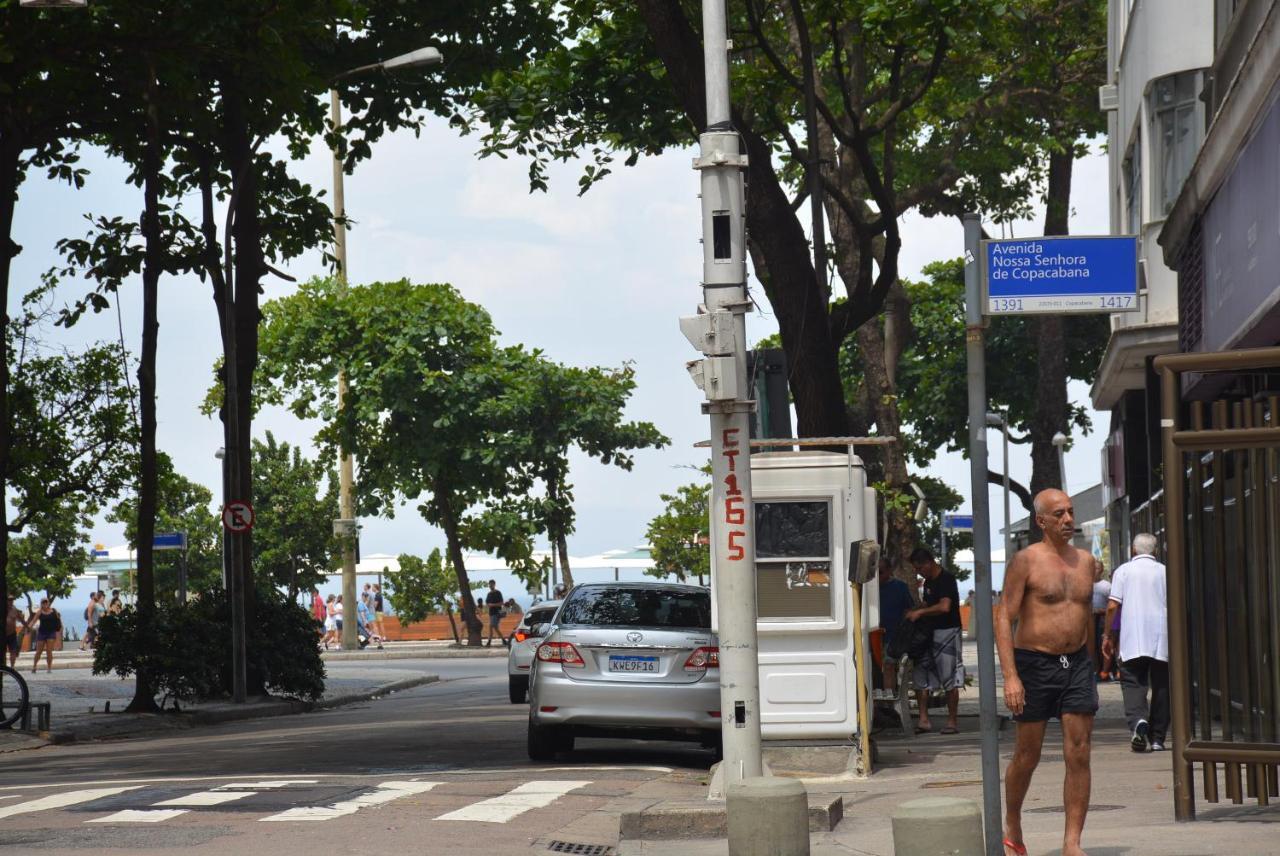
1060	274
958	522
169	541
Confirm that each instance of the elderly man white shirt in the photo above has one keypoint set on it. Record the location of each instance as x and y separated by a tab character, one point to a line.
1138	590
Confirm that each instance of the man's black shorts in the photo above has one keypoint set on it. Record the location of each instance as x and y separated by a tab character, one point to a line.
1056	684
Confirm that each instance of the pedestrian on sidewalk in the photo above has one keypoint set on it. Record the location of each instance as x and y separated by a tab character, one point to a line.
1048	667
86	641
318	610
943	669
48	631
337	611
1101	597
115	607
379	611
97	609
12	621
895	600
330	624
364	614
1143	643
493	600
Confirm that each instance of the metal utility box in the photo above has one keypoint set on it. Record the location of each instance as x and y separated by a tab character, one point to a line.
811	509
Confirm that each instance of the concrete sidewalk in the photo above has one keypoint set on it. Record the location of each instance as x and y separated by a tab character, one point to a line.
1131	809
84	706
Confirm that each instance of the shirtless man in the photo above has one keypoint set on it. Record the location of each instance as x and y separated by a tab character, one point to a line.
1048	666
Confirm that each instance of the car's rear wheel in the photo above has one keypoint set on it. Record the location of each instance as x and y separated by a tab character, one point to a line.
517	688
716	745
543	742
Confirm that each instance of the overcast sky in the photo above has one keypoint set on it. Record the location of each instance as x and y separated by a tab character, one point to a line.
598	279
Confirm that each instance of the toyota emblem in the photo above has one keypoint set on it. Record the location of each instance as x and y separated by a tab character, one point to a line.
633	636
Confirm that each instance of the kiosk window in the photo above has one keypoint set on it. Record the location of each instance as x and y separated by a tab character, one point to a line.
793	559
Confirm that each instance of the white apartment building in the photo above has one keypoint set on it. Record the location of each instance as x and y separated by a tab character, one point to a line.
1158	53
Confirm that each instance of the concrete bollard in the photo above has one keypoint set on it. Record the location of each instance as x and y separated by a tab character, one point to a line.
938	826
768	817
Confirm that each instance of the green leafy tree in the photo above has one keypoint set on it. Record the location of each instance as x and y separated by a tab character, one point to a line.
558	408
182	505
680	536
933	105
45	61
424	587
294	502
51	553
424	413
70	449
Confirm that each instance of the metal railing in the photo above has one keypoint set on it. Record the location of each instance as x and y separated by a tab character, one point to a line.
1221	512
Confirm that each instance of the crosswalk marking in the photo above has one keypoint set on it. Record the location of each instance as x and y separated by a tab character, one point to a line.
133	815
386	792
63	800
206	798
514	802
263	786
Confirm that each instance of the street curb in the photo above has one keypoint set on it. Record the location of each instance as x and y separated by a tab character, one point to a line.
679	819
197	718
393	687
426	653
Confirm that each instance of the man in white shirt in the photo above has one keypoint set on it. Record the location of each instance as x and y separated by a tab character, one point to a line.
1139	586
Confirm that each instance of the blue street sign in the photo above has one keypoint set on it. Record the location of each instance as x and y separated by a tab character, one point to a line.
957	522
1059	275
169	541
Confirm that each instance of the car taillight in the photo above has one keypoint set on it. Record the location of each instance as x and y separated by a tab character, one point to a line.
560	652
702	659
521	636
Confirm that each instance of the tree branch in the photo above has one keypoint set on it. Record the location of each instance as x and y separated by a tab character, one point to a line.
1017	489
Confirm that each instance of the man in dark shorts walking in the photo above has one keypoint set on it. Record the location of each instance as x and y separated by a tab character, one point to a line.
1048	666
493	600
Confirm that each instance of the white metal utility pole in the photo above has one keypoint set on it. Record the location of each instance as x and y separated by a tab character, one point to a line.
345	525
719	331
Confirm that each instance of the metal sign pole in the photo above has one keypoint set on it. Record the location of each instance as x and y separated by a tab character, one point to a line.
977	373
720	333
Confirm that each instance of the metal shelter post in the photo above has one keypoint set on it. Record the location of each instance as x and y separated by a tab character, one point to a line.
975	351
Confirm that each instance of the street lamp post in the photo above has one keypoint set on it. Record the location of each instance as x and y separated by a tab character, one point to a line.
999	420
1059	443
345	526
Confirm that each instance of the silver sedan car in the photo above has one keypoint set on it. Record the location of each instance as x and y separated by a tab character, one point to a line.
524	641
626	660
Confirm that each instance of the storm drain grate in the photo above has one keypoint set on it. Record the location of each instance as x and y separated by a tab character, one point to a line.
581	849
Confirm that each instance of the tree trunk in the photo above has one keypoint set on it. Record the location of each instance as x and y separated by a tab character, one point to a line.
144	690
453	626
449	521
10	160
248	266
1051	410
562	548
900	536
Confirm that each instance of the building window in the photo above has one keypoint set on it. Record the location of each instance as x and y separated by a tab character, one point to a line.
793	560
1133	188
1177	134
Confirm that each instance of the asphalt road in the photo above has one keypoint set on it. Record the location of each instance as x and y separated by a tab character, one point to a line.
437	769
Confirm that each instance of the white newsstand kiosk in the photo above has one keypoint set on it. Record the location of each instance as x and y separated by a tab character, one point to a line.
811	509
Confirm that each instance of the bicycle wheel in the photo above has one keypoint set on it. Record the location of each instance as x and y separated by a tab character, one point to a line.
13	696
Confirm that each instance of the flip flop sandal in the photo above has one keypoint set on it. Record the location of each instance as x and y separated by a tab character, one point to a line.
923	730
1020	849
949	730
